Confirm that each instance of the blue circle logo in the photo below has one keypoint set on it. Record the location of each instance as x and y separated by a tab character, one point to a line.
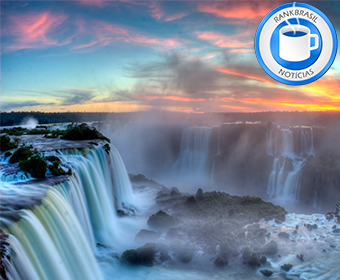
295	43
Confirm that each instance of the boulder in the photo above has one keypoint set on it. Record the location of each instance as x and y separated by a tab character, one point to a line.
142	256
286	267
270	248
161	221
266	272
221	261
199	194
283	234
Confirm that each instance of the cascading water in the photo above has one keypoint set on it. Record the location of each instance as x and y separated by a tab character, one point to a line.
53	231
285	178
193	160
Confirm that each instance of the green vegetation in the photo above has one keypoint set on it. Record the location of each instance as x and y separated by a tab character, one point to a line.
55	133
17	131
7	144
14	131
23	153
52	158
107	148
36	165
56	170
82	132
8	154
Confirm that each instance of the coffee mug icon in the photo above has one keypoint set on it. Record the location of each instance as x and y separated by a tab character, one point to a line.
295	42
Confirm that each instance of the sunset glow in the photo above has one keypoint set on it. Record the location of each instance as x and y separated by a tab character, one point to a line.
128	56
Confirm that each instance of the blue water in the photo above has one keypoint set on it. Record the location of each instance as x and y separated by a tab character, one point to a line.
295	34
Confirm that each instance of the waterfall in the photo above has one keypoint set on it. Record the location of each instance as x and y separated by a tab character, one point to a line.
269	139
54	231
285	178
193	160
218	141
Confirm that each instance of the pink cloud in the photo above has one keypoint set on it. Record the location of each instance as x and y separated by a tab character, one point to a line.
237	10
176	16
155	10
33	31
220	40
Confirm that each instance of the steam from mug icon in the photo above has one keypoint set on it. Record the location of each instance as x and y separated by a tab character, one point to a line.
295	42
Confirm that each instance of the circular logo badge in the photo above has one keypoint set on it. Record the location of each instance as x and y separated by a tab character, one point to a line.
295	43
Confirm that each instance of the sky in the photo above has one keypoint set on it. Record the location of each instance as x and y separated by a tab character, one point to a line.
125	56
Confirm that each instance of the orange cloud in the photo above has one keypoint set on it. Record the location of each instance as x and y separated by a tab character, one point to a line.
328	87
33	31
241	50
231	72
313	105
172	97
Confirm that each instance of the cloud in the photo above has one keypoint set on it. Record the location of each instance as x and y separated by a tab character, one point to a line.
175	73
74	96
175	16
234	41
29	31
245	10
13	105
103	33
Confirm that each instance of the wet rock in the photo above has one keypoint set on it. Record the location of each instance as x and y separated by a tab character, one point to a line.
142	256
263	259
161	221
300	257
191	201
270	248
286	267
283	234
146	235
199	194
266	272
221	261
329	216
246	253
336	230
254	260
121	213
311	227
174	193
185	256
